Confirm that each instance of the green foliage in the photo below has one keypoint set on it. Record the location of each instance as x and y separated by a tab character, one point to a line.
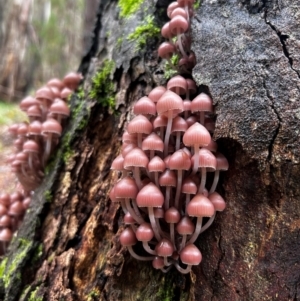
93	295
2	267
33	296
197	4
170	69
129	7
66	146
103	87
144	32
10	113
48	196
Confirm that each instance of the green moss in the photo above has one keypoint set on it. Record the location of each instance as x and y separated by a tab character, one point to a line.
33	296
197	4
144	32
2	267
10	270
66	147
93	295
103	87
129	7
37	254
170	69
165	291
48	196
120	42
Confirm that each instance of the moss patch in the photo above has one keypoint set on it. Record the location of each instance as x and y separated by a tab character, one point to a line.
129	7
2	267
197	4
144	32
11	267
103	87
33	296
170	69
66	147
165	291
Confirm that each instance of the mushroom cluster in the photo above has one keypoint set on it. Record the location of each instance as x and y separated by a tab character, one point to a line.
169	165
34	142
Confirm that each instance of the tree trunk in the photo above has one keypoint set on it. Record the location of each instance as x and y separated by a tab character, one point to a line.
68	248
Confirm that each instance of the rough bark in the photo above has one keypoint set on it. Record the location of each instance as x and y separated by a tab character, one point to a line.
68	249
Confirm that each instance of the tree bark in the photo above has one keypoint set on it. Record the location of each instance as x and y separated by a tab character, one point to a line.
68	248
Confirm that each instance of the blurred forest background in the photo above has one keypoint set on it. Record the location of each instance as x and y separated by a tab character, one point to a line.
40	40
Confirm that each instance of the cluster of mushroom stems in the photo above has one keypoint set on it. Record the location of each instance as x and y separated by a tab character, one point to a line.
34	142
169	165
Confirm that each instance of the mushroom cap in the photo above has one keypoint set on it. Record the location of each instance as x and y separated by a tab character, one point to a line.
34	111
206	159
178	25
168	178
126	188
150	196
172	215
31	146
59	107
6	234
128	219
190	255
16	209
185	226
156	164
5	221
144	232
135	158
5	199
44	93
200	206
171	7
118	163
189	186
170	101
65	93
127	237
217	201
164	248
72	80
202	103
144	106
179	125
222	163
160	121
35	128
212	146
166	50
177	84
180	160
196	134
165	31
158	262
27	102
140	125
153	142
191	85
51	126
129	138
56	82
179	11
157	93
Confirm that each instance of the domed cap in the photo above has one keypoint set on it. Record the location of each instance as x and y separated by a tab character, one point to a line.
127	238
200	206
126	188
164	248
44	93
206	159
172	215
31	146
177	84
217	201
144	232
189	186
6	235
28	102
135	158
55	82
180	161
202	103
59	107
196	134
178	25
51	126
190	255
166	50
153	142
168	178
170	101
150	196
157	93
156	164
185	226
144	106
140	124
72	80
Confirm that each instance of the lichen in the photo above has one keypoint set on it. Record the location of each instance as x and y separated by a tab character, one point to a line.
103	87
93	295
10	268
129	7
165	291
2	267
33	296
144	32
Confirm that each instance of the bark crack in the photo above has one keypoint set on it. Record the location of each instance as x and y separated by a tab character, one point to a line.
282	38
272	105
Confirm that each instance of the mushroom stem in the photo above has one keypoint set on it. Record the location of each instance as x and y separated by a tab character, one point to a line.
153	223
177	146
168	132
203	180
196	232
215	182
178	188
183	242
187	200
139	219
196	159
47	148
139	135
138	257
180	44
148	249
156	179
136	175
208	223
182	270
167	198
202	117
